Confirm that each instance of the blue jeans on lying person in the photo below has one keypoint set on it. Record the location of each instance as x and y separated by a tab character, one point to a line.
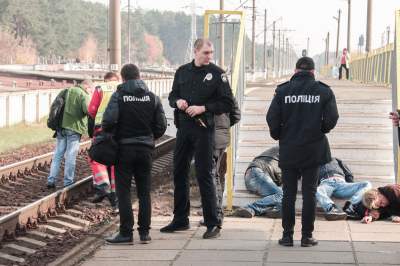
337	187
260	183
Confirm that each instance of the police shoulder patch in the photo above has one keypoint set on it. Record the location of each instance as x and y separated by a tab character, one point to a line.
224	77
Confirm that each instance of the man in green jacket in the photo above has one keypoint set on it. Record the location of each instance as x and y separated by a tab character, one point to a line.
74	124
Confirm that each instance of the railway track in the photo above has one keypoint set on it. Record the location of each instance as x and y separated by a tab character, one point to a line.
31	215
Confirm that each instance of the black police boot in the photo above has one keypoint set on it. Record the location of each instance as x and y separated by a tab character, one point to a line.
308	242
335	214
144	237
176	226
212	232
286	241
120	240
99	197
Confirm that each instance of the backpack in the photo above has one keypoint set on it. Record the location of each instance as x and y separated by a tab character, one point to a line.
57	111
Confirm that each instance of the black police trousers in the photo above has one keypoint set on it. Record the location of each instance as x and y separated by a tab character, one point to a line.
133	161
308	188
192	139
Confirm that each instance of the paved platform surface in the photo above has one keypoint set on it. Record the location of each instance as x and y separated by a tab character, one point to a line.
253	241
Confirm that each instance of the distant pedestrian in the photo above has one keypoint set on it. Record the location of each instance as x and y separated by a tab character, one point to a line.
344	63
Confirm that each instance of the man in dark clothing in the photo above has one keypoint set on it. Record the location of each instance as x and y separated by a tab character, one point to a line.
223	122
200	90
302	111
136	116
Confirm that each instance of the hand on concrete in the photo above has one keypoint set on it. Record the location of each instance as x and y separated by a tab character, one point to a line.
396	219
395	118
195	110
182	104
366	220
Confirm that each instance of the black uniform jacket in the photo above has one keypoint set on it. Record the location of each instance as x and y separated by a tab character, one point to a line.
302	111
135	115
206	85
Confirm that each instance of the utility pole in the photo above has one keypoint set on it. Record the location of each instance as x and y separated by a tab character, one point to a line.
115	34
193	32
279	51
287	55
388	35
338	33
253	39
327	49
348	24
129	31
369	22
308	46
273	47
222	32
265	43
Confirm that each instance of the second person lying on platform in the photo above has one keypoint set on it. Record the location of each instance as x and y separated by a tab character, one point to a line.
136	116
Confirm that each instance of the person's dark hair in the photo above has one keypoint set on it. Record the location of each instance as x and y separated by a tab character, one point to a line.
110	76
130	71
305	63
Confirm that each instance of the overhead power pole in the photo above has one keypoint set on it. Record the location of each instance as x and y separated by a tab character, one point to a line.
222	32
129	31
327	49
253	39
273	47
348	24
279	52
265	43
369	23
338	33
115	34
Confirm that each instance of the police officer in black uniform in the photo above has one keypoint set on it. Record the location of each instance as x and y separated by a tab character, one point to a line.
200	90
136	116
302	111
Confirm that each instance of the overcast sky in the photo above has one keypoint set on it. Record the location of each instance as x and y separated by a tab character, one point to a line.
308	18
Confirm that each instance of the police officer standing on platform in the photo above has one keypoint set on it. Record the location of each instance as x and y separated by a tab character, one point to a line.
200	91
136	117
302	111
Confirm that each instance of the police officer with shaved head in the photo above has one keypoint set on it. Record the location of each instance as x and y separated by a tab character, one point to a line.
302	111
200	90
